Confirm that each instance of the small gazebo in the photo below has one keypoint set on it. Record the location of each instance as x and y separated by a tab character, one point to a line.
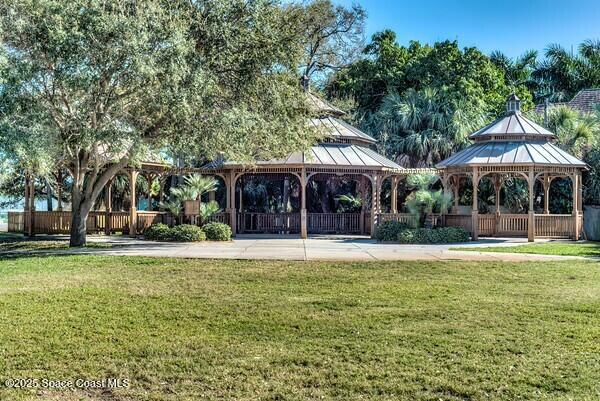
514	147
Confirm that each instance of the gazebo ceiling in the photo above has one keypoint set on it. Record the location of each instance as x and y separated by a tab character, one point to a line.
512	153
325	155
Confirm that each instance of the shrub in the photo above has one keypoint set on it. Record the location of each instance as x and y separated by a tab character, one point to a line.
217	231
455	234
182	233
187	233
445	235
158	232
389	230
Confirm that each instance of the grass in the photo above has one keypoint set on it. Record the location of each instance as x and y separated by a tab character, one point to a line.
255	330
588	249
12	243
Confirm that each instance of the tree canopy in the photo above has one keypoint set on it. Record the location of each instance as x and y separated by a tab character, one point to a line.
95	86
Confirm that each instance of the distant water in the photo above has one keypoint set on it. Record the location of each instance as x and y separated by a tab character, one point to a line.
40	204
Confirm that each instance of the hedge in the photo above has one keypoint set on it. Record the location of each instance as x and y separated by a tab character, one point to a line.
182	233
389	230
443	235
217	231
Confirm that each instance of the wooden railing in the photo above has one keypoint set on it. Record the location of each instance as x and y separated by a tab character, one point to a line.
458	220
406	218
333	223
220	217
513	225
119	222
16	222
487	224
554	225
145	219
268	223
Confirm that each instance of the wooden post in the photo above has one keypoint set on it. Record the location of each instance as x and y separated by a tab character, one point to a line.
576	229
497	188
133	174
475	210
531	219
362	192
28	229
108	200
375	206
303	212
394	194
231	201
547	182
59	189
150	180
456	189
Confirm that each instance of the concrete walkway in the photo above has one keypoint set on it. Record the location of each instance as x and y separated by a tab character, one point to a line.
316	248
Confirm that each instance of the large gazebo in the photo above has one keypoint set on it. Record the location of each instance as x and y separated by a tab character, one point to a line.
514	147
345	153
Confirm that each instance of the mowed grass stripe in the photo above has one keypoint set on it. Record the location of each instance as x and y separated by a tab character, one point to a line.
255	330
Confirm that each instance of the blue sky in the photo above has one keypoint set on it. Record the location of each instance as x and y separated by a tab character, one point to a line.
510	26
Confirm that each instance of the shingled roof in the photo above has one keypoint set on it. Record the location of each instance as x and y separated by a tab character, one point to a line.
584	101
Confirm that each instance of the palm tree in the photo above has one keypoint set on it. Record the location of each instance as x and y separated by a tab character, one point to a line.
184	193
517	71
201	185
576	133
350	203
562	73
424	126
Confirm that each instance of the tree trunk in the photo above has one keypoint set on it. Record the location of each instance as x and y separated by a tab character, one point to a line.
48	196
79	214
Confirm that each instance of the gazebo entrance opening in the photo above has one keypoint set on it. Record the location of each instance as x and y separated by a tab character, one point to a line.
338	203
268	203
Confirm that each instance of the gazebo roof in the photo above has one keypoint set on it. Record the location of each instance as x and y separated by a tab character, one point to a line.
337	129
325	155
512	152
512	140
513	124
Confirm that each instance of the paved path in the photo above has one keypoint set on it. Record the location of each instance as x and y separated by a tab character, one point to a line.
323	248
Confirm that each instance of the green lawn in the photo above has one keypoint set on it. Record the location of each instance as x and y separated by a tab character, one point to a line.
588	249
10	243
252	330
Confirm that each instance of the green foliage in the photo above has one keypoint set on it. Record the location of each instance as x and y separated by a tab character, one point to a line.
592	178
173	207
458	74
349	203
98	85
389	230
187	233
158	232
332	35
198	185
217	231
421	181
562	74
209	209
425	201
181	233
184	193
443	235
